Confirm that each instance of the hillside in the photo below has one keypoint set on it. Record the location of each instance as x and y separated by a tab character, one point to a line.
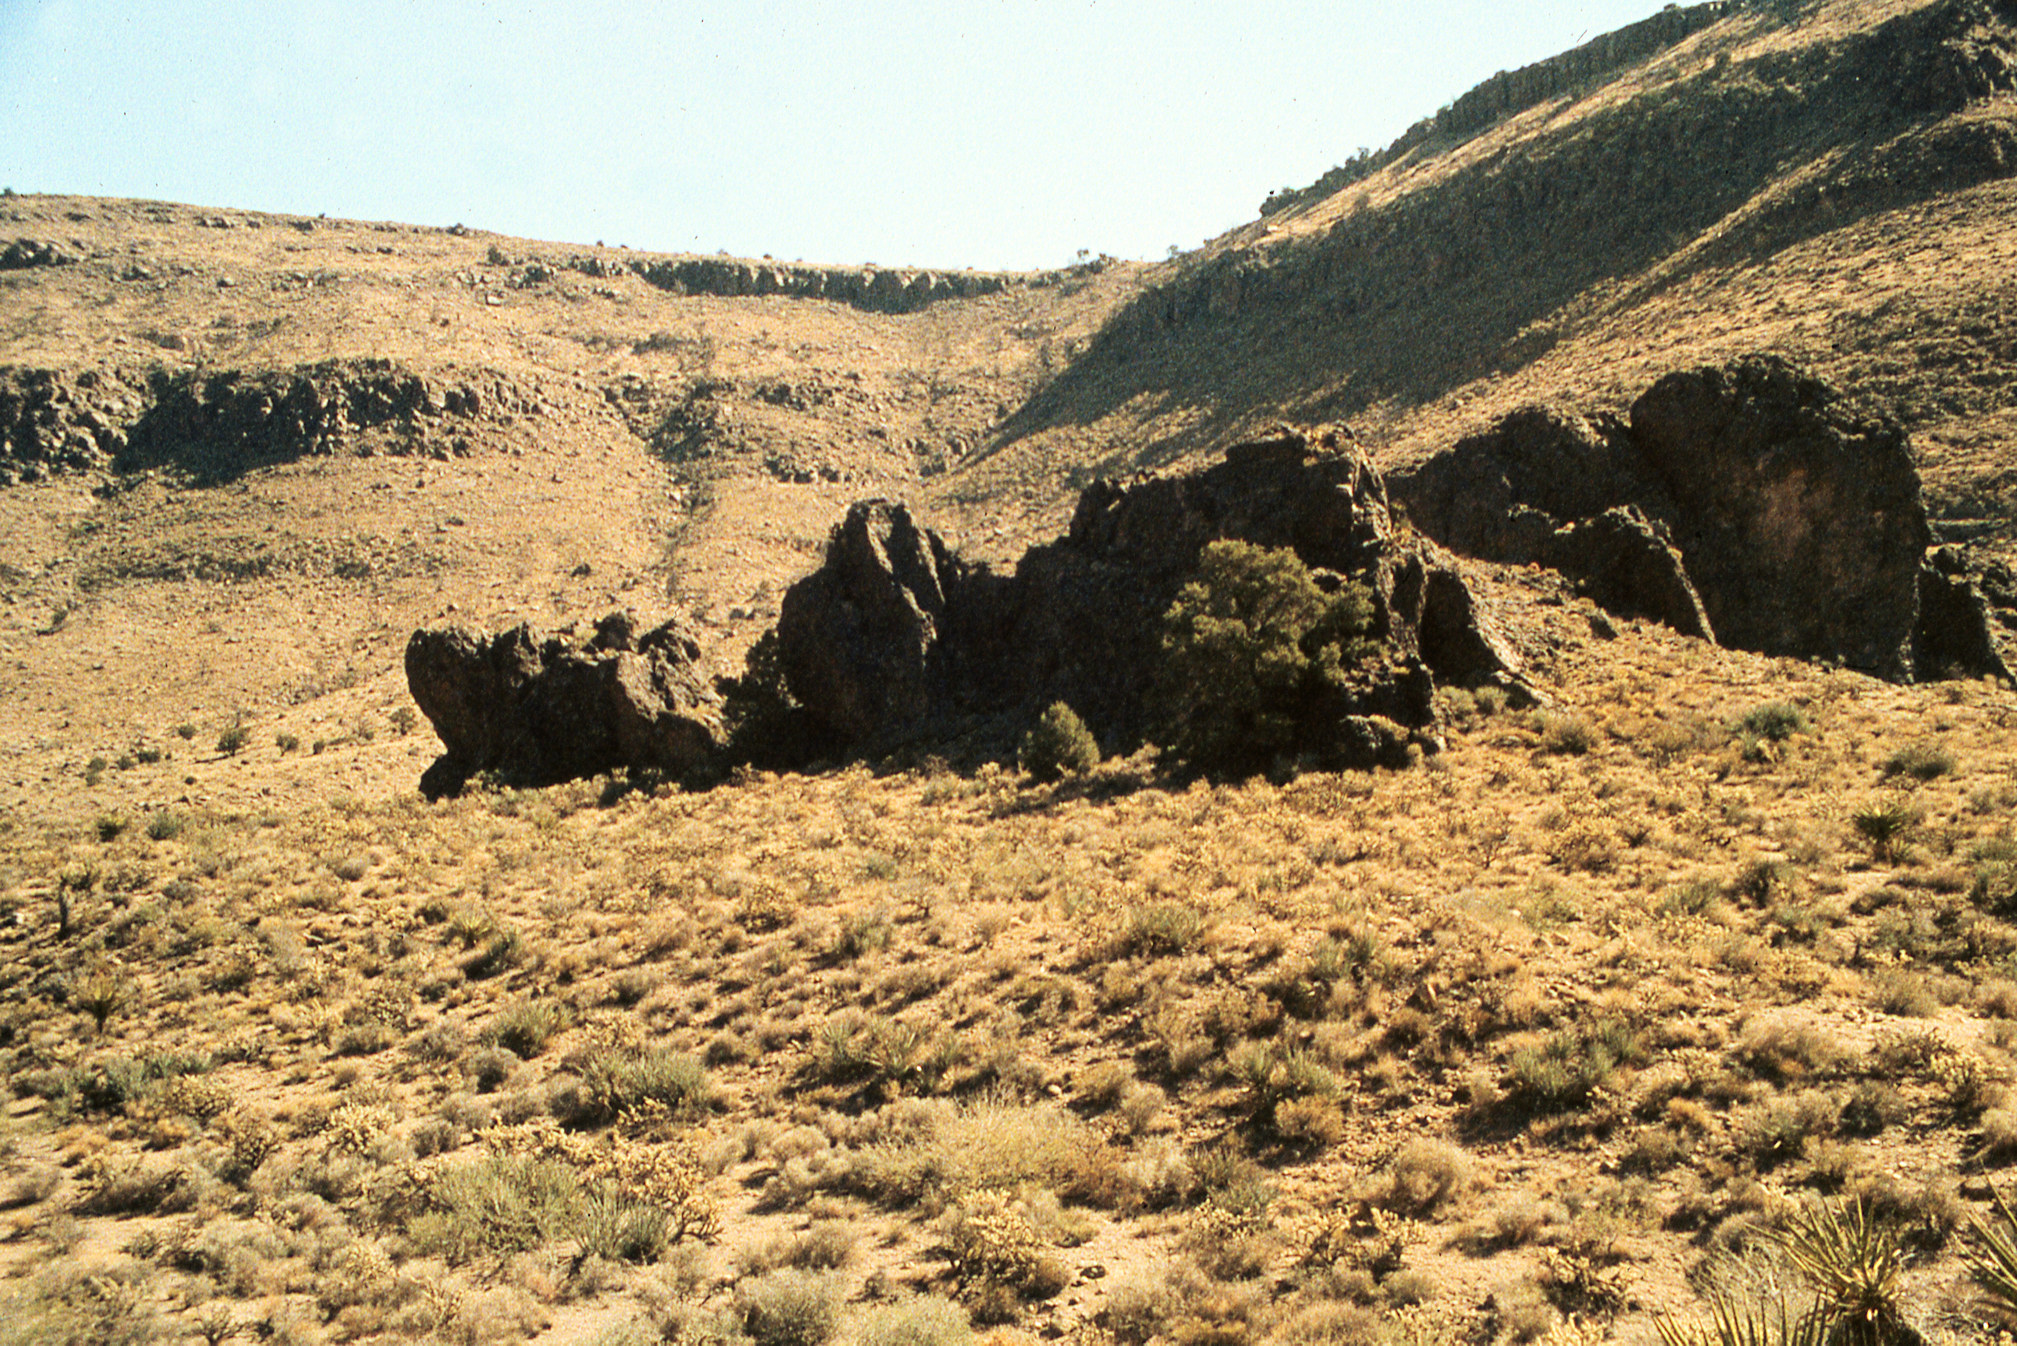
1551	1036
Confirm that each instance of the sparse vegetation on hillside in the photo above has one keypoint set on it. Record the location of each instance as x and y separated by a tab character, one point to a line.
1358	1048
1692	981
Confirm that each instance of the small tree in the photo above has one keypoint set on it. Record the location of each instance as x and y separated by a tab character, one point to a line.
233	740
1251	648
1059	743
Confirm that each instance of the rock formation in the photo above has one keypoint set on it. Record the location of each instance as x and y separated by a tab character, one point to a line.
894	632
23	253
538	708
216	424
1747	504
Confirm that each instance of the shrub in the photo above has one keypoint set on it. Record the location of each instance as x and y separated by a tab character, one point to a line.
164	826
1252	649
1775	722
1566	735
525	1027
1920	761
616	1080
234	738
1156	929
502	1203
618	1229
1059	744
1424	1176
789	1308
1560	1075
925	1321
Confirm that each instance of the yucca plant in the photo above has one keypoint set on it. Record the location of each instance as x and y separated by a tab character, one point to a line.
1887	825
1851	1262
1991	1258
1736	1321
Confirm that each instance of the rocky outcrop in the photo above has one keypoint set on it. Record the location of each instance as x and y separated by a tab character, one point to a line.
1747	504
895	633
23	253
860	638
219	424
537	708
1629	564
53	422
214	425
1798	511
870	288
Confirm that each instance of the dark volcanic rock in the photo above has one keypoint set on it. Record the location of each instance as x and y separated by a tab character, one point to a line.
23	253
1957	621
1799	513
538	708
1748	504
894	632
1630	565
859	637
1501	495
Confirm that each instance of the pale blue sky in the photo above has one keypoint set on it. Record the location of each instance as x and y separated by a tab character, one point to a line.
999	133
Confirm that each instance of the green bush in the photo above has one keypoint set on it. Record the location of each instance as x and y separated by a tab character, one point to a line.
525	1027
1920	761
1562	1074
234	739
1059	743
500	1204
925	1321
617	1080
1252	650
1775	722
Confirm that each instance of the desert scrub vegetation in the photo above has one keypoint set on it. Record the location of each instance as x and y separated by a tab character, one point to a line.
1227	1060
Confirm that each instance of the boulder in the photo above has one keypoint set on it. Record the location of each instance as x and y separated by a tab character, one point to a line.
859	637
1798	511
1958	621
1747	503
1629	564
538	707
1430	613
894	632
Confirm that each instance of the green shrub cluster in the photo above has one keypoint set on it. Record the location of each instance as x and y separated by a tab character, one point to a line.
1252	648
1059	744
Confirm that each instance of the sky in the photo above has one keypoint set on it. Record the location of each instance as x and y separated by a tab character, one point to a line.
997	134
